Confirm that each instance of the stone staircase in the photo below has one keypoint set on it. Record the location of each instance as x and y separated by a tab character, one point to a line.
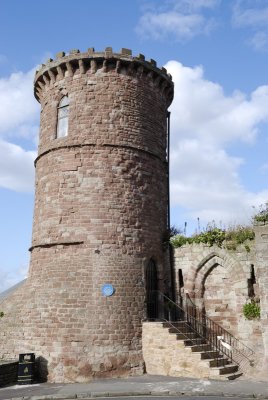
192	346
173	349
221	367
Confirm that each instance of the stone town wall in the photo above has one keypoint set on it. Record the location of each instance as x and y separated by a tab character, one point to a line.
261	237
100	215
218	280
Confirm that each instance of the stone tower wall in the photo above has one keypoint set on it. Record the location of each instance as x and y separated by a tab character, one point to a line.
100	215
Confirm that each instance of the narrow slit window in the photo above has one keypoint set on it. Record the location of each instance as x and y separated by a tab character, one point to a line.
63	115
181	282
251	282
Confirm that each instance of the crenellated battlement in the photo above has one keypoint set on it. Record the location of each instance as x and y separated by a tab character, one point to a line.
90	62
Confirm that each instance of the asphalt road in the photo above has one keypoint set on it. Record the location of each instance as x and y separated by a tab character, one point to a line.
147	387
159	398
168	398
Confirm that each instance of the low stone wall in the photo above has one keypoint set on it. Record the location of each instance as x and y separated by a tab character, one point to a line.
8	372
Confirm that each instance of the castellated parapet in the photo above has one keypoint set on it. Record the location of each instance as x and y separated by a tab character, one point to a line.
100	216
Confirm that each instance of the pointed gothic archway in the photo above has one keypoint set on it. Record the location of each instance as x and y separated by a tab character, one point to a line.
214	285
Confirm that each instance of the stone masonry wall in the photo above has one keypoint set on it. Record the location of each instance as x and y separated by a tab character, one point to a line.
261	235
164	355
100	215
217	281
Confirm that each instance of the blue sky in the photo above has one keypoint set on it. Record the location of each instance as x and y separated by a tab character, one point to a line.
217	53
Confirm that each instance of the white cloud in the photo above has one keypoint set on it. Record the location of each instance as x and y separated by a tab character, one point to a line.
203	111
19	109
16	167
194	5
259	41
204	123
180	20
19	114
253	15
250	13
11	278
158	26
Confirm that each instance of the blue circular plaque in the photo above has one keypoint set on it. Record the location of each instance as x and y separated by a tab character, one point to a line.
107	290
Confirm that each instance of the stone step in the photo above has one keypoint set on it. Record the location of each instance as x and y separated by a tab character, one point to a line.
200	347
231	377
194	342
183	329
221	367
218	362
187	335
174	330
227	369
177	324
210	354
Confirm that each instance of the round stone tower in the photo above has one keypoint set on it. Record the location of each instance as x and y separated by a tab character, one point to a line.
100	214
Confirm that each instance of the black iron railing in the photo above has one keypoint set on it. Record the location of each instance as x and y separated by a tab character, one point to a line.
203	330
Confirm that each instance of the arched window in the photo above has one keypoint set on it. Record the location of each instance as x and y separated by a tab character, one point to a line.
63	114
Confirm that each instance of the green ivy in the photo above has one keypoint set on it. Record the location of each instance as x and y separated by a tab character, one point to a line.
251	310
1	314
215	236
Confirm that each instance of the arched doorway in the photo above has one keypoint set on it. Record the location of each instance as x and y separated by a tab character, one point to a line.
151	290
214	286
219	297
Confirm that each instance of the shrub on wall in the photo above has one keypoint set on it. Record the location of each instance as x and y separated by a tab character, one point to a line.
252	310
212	235
262	215
179	240
1	314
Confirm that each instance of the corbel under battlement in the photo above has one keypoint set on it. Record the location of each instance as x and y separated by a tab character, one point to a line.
66	64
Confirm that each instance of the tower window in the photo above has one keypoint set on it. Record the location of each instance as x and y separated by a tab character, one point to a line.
63	114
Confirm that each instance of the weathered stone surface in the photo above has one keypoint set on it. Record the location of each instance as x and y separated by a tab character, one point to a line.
217	279
100	215
164	355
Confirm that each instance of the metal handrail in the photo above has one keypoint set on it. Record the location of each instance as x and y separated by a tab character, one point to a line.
206	329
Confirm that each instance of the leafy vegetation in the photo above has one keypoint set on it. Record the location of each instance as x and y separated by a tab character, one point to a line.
170	233
262	214
1	314
247	248
252	310
240	234
216	236
174	231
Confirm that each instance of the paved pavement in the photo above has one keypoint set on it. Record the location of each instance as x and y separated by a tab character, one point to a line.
138	386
